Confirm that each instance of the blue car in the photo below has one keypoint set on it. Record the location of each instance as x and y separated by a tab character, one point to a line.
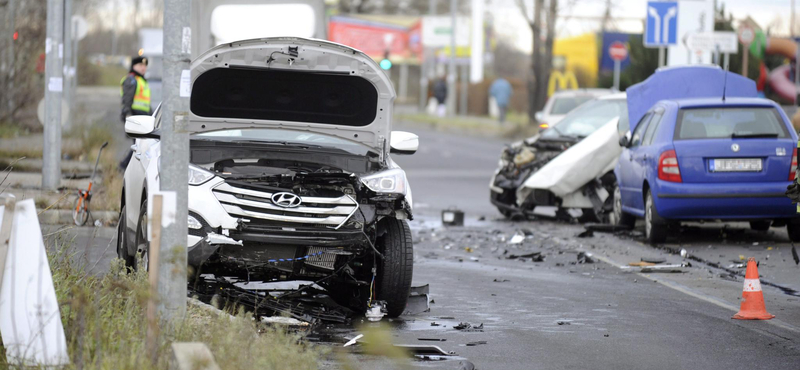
695	156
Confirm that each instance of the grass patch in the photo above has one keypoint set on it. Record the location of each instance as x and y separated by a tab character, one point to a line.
516	124
104	322
9	131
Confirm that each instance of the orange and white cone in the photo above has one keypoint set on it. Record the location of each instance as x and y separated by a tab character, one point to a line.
753	307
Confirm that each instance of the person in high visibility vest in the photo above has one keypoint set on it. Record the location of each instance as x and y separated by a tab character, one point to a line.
135	94
135	91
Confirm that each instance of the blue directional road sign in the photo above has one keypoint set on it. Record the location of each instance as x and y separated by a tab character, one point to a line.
661	28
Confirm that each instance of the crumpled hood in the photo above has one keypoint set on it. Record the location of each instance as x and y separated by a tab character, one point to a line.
295	84
571	169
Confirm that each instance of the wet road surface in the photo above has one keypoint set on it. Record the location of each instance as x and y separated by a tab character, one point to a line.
559	313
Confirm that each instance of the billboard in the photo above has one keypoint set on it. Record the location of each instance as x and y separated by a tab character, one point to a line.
376	38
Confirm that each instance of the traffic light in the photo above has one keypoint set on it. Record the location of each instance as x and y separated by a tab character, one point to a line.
386	64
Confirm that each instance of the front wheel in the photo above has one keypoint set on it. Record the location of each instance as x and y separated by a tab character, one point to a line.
395	269
122	240
80	211
655	229
617	216
142	244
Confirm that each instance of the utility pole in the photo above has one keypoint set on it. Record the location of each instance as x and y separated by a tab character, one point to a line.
68	35
54	84
175	156
451	68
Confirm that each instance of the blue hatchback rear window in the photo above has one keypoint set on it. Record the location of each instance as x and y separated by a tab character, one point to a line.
723	122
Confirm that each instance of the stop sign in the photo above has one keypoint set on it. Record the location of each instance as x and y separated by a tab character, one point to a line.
617	51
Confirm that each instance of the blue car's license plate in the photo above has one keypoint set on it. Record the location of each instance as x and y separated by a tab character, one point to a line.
735	165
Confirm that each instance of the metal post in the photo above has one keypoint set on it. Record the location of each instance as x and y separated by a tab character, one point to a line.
661	57
451	68
9	202
423	79
745	57
464	89
727	61
797	75
74	62
617	64
175	156
432	5
12	21
54	84
403	83
68	62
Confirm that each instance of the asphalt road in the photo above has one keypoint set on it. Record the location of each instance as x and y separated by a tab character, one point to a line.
561	314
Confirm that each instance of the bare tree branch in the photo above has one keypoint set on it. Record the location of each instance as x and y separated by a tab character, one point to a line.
524	10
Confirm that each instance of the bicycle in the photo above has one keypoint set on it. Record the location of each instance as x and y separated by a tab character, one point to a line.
80	212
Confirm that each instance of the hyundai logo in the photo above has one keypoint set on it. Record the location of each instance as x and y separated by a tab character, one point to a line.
735	147
286	200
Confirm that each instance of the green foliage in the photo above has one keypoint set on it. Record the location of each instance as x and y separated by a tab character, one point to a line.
104	322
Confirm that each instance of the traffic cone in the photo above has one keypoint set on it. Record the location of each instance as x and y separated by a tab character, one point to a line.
752	298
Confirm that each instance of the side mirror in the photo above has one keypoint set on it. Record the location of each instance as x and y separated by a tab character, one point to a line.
403	143
623	141
140	127
538	116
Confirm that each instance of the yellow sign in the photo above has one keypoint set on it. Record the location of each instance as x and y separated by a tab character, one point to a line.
561	81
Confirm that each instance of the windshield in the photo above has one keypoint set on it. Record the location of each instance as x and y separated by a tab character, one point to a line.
284	137
589	117
711	123
566	104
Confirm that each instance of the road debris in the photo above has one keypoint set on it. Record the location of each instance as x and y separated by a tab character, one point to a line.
453	217
353	341
534	256
586	234
281	320
432	339
467	327
675	267
585	257
418	300
605	228
654	260
476	343
376	312
501	280
518	238
562	322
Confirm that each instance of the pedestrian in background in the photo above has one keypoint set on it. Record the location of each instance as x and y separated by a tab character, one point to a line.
135	94
440	93
501	92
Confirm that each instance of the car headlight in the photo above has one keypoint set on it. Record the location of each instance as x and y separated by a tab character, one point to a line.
389	181
193	223
198	176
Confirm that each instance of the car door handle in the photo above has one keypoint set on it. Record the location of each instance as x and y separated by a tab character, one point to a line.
135	149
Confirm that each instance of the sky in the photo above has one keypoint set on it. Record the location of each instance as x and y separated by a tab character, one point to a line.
508	20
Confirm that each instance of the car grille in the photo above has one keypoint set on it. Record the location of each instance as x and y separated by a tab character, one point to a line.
246	203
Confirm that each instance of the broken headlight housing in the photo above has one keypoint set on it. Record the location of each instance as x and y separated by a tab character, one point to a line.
389	181
198	176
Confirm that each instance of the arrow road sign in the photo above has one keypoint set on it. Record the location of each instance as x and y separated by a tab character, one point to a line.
661	28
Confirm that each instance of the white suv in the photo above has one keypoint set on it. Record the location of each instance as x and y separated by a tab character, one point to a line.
290	174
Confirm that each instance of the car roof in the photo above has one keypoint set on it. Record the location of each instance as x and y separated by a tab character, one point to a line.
717	102
614	96
579	92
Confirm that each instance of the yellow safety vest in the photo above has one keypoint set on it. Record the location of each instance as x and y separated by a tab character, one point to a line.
141	101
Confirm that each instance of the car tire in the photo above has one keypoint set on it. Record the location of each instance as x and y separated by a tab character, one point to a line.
142	245
395	269
760	225
122	241
618	216
655	229
793	228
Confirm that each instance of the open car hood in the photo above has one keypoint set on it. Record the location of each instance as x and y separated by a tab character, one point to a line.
292	84
682	82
